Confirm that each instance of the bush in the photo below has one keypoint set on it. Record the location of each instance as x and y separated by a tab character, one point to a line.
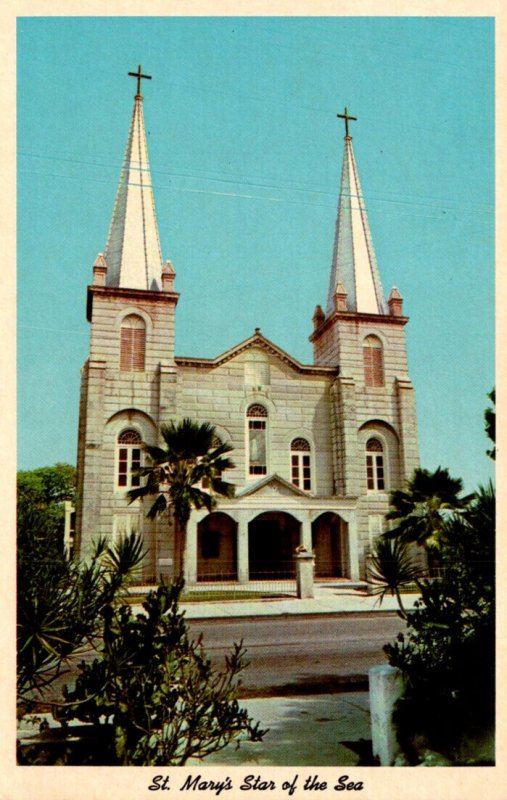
156	690
447	655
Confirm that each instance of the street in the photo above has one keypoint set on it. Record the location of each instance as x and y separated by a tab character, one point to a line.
301	654
306	683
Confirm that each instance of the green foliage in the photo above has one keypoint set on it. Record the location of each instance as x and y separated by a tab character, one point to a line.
156	690
391	568
490	424
59	605
422	508
40	505
47	484
447	654
177	472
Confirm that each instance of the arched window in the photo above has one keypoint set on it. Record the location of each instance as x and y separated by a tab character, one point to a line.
373	361
132	343
300	464
257	448
375	466
128	459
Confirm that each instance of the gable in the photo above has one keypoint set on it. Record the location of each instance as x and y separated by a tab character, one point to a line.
256	346
272	486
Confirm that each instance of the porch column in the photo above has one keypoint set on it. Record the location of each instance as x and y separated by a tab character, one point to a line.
191	551
305	532
353	549
242	547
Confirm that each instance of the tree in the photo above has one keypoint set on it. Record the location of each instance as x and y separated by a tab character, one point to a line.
447	654
490	424
422	508
47	485
40	503
155	692
178	472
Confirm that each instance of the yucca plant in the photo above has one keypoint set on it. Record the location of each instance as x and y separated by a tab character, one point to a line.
391	568
59	607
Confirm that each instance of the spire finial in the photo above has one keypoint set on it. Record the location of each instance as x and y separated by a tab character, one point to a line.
346	116
139	75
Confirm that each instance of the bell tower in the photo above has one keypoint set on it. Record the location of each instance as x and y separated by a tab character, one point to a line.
363	335
128	383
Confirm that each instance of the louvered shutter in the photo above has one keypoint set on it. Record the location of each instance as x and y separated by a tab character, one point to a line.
132	344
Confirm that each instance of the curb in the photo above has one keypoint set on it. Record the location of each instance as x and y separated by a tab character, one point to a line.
341	684
284	614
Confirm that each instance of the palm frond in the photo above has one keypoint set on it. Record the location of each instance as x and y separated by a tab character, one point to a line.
158	507
127	553
156	454
391	567
140	491
223	488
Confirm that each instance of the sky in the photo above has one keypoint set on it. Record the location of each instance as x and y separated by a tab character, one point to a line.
245	151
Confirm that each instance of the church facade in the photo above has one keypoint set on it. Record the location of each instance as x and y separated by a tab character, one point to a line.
317	447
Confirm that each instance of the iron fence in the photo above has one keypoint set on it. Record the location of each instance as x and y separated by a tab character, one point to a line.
334	569
270	577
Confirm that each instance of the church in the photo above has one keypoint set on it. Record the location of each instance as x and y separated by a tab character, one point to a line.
317	447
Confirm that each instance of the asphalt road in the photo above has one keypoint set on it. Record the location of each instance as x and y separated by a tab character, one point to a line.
293	655
302	654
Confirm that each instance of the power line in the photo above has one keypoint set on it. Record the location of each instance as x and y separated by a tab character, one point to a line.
371	201
261	182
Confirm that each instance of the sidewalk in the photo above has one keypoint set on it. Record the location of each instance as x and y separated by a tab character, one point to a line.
321	730
329	599
318	730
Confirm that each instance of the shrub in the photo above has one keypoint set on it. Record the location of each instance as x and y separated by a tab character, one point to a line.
447	654
156	690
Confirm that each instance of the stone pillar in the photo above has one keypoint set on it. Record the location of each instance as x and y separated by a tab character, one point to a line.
353	550
305	565
167	391
386	686
305	533
91	478
409	448
242	548
191	551
344	436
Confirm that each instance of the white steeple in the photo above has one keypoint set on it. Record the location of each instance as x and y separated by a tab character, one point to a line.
354	263
133	255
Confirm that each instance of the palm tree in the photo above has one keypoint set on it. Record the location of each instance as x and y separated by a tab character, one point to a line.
421	509
490	424
190	460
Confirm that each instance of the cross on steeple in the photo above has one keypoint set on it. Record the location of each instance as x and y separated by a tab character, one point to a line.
139	75
346	117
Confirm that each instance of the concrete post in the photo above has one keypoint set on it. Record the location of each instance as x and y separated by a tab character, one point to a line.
353	550
305	563
386	686
305	536
242	548
191	551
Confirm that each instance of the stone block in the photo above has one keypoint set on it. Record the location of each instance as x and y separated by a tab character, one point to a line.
386	687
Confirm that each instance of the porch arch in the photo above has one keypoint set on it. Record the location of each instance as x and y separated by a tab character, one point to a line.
331	546
217	548
272	539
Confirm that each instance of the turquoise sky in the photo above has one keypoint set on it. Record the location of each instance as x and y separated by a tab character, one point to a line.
246	151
